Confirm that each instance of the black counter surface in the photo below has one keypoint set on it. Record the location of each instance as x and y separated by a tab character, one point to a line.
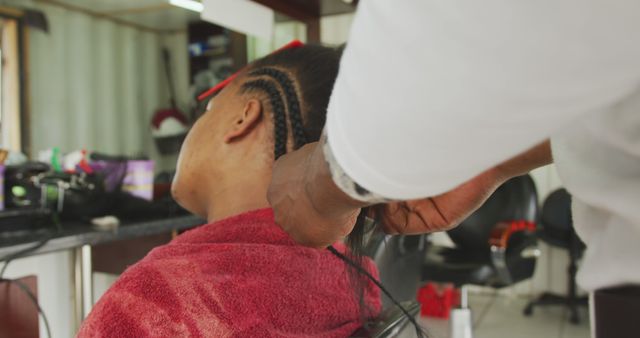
75	234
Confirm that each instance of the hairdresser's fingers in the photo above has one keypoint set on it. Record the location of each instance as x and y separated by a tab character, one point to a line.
393	217
427	216
441	212
413	217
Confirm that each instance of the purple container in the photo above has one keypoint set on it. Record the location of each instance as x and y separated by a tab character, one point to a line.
136	176
139	179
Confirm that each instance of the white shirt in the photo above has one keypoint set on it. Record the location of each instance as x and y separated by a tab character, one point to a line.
431	93
598	159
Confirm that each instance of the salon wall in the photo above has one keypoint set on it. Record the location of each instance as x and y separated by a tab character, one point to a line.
334	29
93	84
283	33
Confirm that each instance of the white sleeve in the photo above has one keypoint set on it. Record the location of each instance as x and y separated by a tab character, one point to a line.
432	92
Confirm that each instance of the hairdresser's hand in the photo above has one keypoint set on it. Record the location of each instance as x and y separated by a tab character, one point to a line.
306	202
447	210
438	213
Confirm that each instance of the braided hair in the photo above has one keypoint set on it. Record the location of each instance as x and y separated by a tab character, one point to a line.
315	69
280	133
293	104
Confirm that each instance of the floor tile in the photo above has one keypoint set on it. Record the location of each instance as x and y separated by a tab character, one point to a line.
501	317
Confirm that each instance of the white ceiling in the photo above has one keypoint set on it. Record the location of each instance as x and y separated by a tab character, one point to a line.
114	5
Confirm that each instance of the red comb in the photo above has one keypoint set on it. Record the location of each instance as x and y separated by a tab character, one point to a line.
225	82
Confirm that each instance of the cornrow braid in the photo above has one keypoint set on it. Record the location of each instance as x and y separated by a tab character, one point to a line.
279	116
293	103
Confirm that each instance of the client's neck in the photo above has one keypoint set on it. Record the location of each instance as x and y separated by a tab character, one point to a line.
239	194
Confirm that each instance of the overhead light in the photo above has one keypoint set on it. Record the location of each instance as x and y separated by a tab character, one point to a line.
191	5
348	2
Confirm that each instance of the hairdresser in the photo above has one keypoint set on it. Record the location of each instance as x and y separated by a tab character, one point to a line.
439	102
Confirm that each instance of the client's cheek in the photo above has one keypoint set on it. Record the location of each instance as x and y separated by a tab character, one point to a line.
175	189
181	180
183	192
186	156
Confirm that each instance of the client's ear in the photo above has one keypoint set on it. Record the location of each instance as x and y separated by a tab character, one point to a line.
246	121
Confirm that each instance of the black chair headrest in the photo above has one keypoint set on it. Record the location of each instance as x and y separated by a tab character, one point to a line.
556	219
516	199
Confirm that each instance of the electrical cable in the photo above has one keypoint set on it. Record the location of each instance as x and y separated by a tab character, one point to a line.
7	259
419	330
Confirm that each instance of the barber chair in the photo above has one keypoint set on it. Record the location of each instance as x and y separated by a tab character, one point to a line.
495	247
556	229
487	251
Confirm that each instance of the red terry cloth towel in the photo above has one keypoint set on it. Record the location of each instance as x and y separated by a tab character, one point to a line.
239	277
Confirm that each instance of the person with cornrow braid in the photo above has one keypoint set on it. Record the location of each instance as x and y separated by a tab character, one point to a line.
241	275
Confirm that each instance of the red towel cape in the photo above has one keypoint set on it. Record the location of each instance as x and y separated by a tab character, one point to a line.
239	277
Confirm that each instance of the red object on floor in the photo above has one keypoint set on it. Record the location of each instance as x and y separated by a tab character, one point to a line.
437	301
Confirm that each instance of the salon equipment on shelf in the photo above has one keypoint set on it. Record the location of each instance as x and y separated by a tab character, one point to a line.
72	195
36	190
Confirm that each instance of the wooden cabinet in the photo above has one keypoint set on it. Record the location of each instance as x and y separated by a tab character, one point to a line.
18	312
